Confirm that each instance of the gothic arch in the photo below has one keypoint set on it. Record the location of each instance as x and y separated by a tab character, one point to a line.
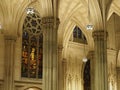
22	18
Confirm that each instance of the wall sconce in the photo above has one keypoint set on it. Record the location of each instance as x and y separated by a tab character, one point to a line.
30	10
89	27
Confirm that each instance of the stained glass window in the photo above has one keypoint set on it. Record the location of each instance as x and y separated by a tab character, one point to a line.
32	47
78	35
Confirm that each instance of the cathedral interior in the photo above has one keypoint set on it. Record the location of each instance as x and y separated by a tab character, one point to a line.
59	44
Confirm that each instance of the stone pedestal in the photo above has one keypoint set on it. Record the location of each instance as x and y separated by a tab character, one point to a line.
50	61
101	82
9	63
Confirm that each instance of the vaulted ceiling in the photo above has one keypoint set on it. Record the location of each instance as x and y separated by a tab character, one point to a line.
70	13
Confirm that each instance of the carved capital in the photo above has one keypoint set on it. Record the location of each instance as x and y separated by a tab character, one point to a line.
64	60
49	23
9	37
118	69
91	54
99	35
60	48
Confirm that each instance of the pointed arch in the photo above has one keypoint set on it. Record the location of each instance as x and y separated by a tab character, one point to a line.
32	47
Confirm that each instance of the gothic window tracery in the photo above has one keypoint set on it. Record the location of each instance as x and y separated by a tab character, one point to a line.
32	47
78	35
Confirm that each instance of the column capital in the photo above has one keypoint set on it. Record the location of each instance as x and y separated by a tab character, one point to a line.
60	48
64	60
91	54
9	37
99	34
49	22
118	69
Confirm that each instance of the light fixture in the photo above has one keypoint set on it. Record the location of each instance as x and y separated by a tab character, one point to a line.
85	59
30	10
89	26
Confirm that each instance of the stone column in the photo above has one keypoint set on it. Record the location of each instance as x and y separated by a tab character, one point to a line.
60	68
92	69
64	70
101	82
9	63
50	62
118	78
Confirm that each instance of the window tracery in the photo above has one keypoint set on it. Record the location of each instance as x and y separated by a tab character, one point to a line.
78	35
32	47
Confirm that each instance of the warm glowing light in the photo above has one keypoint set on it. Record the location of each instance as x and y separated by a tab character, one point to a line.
30	10
85	59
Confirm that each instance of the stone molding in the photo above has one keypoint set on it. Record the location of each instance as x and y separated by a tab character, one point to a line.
60	48
48	22
99	34
8	37
64	60
91	54
118	69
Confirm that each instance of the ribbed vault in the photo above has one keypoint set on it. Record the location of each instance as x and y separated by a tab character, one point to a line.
12	14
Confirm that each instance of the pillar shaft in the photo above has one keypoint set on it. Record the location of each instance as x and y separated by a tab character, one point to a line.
9	63
100	60
118	78
60	68
50	62
64	69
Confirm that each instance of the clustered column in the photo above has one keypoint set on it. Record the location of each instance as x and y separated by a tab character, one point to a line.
100	60
9	62
50	62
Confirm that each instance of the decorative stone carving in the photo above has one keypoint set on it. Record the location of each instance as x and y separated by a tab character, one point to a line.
100	62
7	37
50	61
49	23
99	34
90	54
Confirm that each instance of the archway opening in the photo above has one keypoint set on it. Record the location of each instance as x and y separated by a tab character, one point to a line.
86	76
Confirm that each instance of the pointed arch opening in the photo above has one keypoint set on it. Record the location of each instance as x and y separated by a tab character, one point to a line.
86	76
32	47
78	36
